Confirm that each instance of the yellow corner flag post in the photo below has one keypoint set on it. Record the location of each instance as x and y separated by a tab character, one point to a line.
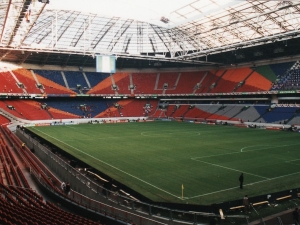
182	191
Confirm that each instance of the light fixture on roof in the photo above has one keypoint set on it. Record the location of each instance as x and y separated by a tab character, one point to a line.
157	64
258	53
278	50
44	1
164	19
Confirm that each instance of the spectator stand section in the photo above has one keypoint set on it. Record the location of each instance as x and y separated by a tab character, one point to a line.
8	83
23	206
95	78
52	82
52	75
185	82
27	81
11	174
4	120
82	107
159	111
295	120
255	83
122	83
105	87
76	81
167	82
178	112
291	81
222	84
34	110
130	108
8	107
281	71
257	113
279	115
207	82
145	83
254	79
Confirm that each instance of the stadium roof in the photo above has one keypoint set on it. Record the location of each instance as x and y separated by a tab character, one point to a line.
185	31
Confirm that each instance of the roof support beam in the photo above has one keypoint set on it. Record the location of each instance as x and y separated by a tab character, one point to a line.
5	20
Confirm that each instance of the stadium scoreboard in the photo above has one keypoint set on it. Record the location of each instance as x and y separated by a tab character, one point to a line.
105	63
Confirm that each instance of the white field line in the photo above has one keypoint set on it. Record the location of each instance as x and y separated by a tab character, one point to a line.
228	168
112	166
292	160
274	146
266	147
242	150
210	193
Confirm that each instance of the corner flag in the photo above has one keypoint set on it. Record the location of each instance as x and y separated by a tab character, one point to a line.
182	187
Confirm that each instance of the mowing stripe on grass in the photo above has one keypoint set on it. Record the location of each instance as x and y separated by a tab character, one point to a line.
145	133
110	165
70	126
104	138
209	156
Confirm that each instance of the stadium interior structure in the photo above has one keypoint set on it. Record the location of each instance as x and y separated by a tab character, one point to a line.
234	62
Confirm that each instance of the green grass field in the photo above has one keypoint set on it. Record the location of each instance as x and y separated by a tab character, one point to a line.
157	158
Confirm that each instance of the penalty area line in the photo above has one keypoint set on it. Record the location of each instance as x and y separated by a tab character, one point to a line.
269	146
227	189
112	166
242	151
228	168
293	162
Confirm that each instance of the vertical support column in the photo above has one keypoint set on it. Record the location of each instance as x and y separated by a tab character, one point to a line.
150	210
274	99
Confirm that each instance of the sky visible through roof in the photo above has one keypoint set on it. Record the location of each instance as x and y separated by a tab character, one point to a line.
143	10
151	11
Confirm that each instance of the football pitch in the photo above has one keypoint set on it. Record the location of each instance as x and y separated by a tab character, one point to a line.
185	162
